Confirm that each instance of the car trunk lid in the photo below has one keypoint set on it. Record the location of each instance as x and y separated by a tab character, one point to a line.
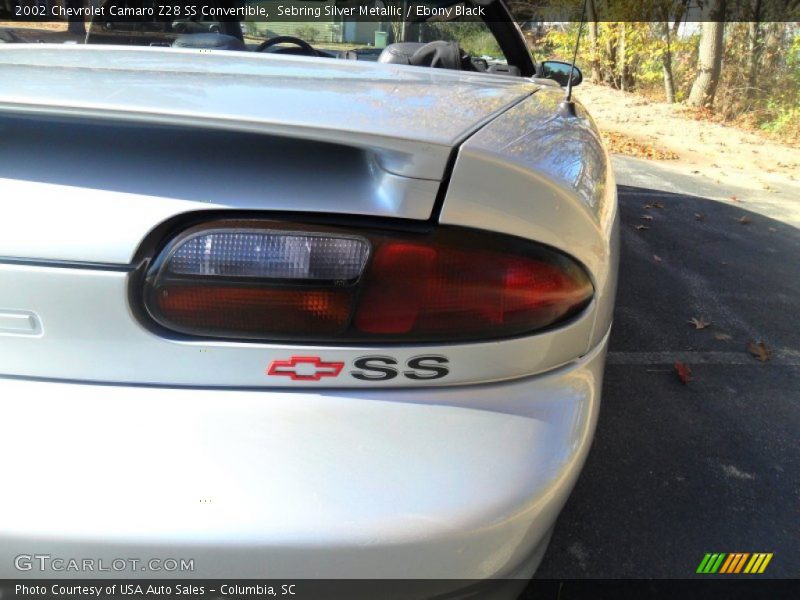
409	117
131	137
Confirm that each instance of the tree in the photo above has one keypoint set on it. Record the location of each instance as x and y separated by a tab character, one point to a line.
76	25
623	63
667	36
666	64
594	62
755	48
709	59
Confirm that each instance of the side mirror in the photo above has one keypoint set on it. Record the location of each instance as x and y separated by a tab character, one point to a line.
560	72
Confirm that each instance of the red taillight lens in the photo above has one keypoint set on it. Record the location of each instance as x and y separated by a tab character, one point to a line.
272	281
423	291
392	304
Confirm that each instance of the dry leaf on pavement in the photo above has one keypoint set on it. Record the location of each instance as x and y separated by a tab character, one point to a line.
722	337
700	323
683	372
760	350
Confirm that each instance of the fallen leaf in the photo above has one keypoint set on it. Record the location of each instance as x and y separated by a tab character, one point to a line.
683	371
745	220
646	218
722	337
699	216
772	229
641	227
734	199
760	350
700	323
654	205
656	258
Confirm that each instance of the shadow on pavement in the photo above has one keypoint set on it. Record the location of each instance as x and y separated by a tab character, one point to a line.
713	466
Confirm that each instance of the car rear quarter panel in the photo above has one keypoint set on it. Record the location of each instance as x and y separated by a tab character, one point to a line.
537	174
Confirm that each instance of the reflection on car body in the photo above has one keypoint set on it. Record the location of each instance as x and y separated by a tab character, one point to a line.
365	292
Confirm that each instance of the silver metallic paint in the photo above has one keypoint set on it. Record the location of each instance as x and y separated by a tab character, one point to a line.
408	117
533	173
446	483
457	481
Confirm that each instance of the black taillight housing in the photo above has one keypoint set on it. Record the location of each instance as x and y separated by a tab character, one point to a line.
269	280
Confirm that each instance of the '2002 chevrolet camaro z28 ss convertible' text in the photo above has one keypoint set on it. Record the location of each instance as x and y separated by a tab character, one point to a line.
293	311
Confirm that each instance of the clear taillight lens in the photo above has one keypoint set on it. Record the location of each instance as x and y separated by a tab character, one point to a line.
270	254
273	281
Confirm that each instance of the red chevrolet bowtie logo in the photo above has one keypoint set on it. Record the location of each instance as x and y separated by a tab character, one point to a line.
305	368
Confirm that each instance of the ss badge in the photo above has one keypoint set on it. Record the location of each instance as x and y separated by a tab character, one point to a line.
383	368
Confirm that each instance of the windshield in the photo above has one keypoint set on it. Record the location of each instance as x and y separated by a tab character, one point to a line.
373	30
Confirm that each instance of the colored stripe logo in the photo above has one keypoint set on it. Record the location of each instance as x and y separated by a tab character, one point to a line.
734	562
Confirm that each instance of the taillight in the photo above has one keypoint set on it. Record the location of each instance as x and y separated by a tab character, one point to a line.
266	280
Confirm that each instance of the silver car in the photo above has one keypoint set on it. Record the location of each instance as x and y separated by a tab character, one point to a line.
267	312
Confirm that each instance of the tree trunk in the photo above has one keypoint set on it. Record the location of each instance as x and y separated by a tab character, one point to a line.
593	34
754	51
772	57
76	25
397	31
680	12
666	66
670	31
709	59
621	58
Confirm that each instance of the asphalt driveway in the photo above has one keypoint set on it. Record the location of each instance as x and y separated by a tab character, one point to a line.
712	466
